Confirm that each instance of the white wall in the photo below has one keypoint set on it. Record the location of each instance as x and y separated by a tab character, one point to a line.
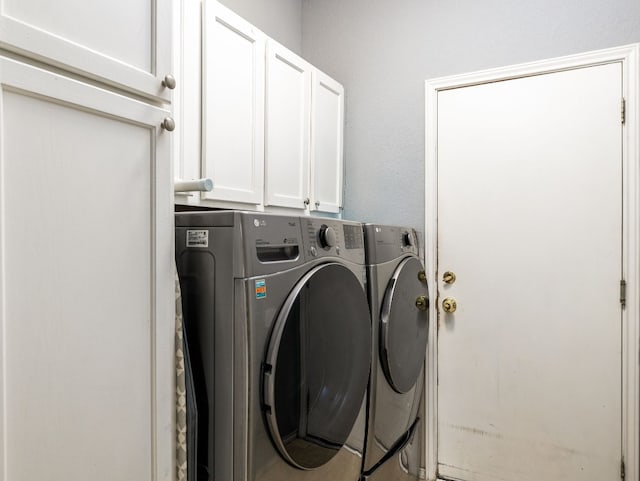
382	51
280	19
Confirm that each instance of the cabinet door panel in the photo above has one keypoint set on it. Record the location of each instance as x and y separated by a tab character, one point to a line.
126	43
86	272
233	123
326	142
287	128
187	99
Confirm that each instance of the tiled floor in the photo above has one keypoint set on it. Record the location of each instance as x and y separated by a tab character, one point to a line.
343	467
391	472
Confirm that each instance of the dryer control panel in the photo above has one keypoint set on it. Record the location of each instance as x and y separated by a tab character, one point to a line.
385	242
333	238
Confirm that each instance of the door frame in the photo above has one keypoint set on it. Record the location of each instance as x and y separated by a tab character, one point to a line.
629	56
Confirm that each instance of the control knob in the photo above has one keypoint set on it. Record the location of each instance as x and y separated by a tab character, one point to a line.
407	239
327	236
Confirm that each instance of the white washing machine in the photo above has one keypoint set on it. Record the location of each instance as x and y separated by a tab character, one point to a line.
399	301
280	335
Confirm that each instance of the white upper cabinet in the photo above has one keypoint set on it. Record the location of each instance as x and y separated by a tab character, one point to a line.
326	143
125	43
262	123
288	104
86	274
233	106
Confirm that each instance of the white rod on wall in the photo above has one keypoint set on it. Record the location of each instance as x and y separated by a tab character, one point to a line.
197	185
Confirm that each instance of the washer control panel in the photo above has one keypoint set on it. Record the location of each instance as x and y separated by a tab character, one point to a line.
333	238
353	236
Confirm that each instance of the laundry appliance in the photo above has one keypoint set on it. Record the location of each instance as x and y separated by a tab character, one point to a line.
399	301
280	328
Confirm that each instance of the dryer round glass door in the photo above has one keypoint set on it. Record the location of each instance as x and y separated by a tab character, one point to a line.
404	326
317	366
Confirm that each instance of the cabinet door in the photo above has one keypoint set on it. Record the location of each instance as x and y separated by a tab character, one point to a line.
126	43
86	289
233	106
326	143
187	99
287	128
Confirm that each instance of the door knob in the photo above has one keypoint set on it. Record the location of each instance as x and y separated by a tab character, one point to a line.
422	303
449	277
449	305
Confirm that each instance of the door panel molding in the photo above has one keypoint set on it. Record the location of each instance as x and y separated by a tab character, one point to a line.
629	57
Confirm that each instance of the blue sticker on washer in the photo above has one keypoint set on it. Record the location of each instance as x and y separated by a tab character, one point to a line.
261	289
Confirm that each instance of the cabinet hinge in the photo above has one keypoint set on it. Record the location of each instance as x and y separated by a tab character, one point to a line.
622	469
623	111
623	292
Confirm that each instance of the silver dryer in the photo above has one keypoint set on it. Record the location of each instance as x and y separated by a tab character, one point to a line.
399	300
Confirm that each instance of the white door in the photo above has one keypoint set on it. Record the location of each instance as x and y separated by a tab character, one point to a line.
123	42
288	118
233	106
327	120
529	179
86	273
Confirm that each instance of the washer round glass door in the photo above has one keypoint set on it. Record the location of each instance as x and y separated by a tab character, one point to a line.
317	366
404	326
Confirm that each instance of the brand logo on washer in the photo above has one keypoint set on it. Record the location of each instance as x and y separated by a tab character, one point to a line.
259	223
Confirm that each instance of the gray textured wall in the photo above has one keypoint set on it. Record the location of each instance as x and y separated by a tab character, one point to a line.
384	50
280	19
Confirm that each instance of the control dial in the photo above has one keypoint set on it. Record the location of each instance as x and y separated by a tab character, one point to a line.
407	239
328	237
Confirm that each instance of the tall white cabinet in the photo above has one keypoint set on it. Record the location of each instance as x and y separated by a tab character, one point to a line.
86	260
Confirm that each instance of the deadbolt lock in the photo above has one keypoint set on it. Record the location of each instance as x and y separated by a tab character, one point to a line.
449	277
422	303
449	305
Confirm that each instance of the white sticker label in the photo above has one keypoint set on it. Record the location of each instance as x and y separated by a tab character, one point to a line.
197	238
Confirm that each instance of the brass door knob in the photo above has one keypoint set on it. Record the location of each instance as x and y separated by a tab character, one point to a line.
449	277
449	305
422	303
